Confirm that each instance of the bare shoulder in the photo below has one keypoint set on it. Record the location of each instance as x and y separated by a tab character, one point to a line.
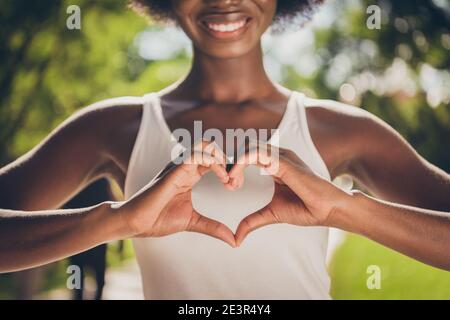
356	142
342	116
345	133
94	142
88	130
108	116
102	134
113	124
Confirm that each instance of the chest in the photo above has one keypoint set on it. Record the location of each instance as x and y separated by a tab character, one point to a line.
226	122
211	117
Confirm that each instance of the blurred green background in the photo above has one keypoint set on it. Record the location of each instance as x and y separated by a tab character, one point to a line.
399	72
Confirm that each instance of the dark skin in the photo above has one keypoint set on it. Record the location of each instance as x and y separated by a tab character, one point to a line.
226	87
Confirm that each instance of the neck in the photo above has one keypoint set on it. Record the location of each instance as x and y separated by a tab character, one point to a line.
227	80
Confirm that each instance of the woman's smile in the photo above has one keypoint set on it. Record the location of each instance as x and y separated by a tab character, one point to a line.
224	29
225	25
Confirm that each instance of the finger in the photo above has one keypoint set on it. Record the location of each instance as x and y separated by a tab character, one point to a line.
237	171
217	152
220	172
258	155
206	162
278	181
220	167
268	158
213	149
199	158
254	221
210	227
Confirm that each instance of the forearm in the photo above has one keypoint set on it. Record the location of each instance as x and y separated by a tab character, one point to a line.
419	233
29	239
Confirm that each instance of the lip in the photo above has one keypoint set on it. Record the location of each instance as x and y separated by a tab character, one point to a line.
229	19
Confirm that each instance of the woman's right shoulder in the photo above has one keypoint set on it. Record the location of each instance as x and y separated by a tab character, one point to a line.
106	117
110	111
103	125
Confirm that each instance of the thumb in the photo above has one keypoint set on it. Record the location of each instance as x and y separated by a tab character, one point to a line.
210	227
256	220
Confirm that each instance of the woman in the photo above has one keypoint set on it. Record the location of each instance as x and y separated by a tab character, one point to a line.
131	141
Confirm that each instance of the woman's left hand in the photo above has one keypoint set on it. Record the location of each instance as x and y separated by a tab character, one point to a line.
301	197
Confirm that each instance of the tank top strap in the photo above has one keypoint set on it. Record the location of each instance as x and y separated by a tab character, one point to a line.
149	138
300	120
151	108
344	182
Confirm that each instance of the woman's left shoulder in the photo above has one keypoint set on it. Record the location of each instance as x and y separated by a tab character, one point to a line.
342	120
347	135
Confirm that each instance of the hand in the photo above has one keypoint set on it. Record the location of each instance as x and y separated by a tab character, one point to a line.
301	197
164	207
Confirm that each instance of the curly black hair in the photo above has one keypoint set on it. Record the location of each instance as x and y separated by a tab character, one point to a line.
288	11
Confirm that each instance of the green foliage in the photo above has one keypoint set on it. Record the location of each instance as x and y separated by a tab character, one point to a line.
414	32
44	67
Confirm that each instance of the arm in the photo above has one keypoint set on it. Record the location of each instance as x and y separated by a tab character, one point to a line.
72	156
383	162
29	239
32	238
163	207
75	154
353	141
302	198
418	233
394	172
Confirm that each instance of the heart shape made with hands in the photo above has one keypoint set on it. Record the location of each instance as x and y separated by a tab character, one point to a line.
208	206
230	205
259	201
211	199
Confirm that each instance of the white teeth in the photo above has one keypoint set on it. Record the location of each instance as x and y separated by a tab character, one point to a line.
226	27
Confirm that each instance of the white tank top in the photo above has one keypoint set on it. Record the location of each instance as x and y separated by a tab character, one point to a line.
274	262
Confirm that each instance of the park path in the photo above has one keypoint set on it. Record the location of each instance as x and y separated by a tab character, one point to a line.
123	283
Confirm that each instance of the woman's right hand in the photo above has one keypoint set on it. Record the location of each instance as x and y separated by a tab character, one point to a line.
164	206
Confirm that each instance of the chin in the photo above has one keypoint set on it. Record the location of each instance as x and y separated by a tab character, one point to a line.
228	51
